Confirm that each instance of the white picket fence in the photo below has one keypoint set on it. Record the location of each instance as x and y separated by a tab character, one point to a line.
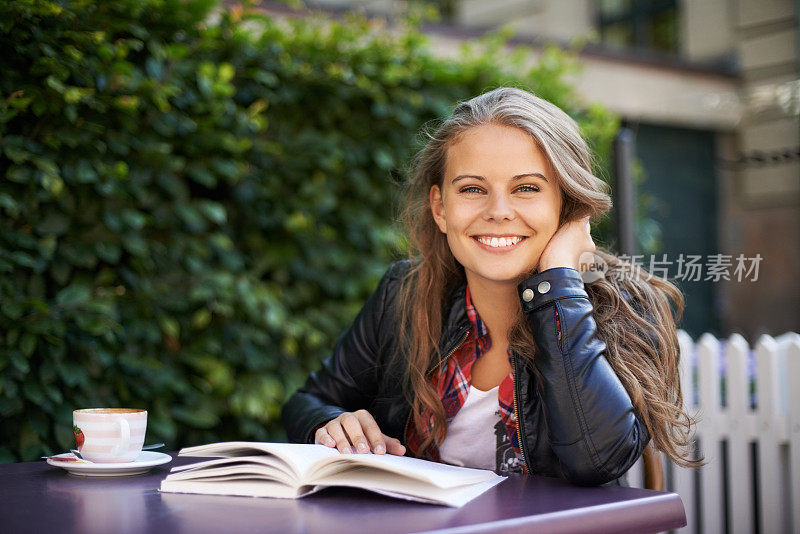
751	441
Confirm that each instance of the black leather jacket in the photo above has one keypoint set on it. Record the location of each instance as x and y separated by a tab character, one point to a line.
577	421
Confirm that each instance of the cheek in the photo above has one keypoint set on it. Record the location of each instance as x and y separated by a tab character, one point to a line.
553	228
543	222
458	230
457	248
452	244
551	219
456	217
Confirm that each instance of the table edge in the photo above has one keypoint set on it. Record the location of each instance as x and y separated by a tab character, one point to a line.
630	517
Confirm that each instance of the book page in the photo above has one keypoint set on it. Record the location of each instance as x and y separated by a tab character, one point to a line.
249	485
227	466
436	474
320	465
409	488
282	470
298	457
244	488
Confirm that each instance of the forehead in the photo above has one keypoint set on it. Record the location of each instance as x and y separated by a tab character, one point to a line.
494	148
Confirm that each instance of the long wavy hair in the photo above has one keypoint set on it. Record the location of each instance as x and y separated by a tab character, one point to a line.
643	350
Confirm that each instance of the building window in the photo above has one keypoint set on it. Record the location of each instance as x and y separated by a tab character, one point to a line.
642	24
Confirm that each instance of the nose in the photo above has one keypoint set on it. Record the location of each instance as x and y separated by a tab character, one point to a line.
498	208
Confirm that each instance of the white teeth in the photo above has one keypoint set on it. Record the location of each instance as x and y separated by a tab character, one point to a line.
495	242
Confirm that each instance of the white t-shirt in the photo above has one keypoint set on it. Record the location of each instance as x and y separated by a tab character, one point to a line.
471	439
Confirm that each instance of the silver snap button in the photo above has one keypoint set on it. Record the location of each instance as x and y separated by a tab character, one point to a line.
527	295
543	287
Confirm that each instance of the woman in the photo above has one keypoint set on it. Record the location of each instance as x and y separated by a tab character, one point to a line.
486	349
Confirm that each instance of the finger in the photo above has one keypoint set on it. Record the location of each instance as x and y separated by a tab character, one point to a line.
321	437
352	427
371	431
335	430
393	446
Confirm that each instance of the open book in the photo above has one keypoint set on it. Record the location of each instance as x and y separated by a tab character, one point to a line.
291	471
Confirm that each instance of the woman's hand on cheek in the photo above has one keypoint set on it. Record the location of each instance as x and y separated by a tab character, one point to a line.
566	246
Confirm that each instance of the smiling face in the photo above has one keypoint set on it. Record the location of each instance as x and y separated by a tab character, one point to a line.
499	204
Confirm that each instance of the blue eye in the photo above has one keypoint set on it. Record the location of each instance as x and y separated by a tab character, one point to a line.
470	189
528	188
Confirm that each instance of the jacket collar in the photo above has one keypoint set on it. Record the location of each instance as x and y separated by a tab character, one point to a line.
455	323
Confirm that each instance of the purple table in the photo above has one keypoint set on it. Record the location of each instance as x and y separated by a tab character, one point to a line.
35	497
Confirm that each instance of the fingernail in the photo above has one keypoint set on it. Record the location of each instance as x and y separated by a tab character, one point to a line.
362	447
380	448
347	450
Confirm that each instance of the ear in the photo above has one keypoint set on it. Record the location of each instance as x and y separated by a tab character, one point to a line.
437	208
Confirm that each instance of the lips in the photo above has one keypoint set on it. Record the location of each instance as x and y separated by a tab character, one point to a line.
499	242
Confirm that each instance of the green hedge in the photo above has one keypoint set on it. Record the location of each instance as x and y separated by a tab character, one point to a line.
195	201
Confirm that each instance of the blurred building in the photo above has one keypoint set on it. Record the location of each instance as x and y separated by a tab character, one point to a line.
711	89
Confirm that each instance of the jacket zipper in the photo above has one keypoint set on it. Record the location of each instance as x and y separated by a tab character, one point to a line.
430	372
519	420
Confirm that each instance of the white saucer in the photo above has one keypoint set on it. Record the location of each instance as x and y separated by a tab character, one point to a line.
145	461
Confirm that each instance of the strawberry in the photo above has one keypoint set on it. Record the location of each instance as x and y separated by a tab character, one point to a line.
78	436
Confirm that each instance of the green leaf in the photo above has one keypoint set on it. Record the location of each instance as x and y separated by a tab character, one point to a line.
22	258
54	394
202	176
170	326
27	344
20	175
10	206
201	318
197	418
214	212
64	435
19	362
29	442
73	295
72	374
34	394
109	252
85	174
226	72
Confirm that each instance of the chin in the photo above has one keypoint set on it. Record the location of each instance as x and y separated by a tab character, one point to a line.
507	277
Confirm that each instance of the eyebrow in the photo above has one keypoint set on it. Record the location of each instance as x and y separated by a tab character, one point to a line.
517	177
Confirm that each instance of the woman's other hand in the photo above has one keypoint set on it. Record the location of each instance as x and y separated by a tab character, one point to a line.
357	432
566	246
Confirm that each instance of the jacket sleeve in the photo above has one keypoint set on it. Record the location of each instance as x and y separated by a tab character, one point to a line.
346	380
594	429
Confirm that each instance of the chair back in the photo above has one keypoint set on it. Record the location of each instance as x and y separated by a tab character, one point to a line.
653	470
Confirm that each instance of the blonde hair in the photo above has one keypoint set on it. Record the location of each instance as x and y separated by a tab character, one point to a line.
643	352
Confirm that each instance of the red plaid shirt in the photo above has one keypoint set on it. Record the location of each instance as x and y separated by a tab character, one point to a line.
453	380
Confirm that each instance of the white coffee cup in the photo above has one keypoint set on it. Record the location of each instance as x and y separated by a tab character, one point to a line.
109	435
